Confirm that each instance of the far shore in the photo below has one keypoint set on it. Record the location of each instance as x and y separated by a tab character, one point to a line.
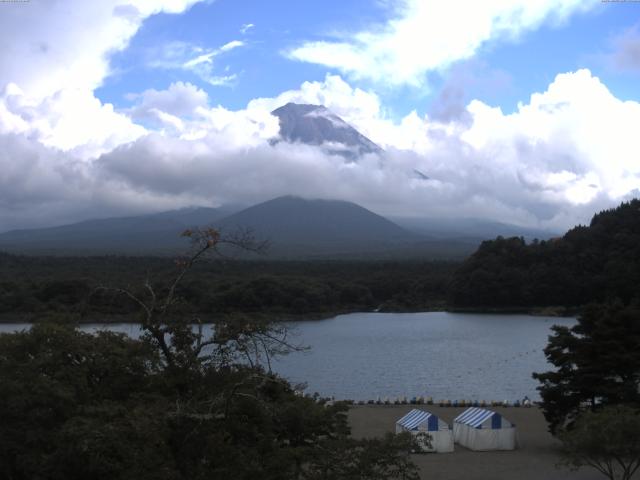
73	318
535	459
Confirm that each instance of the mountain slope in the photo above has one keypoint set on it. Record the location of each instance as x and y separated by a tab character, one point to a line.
470	229
295	225
145	234
316	125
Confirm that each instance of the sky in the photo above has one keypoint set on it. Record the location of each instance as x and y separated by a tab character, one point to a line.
517	111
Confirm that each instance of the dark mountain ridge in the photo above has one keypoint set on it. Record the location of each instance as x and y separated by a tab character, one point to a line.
295	225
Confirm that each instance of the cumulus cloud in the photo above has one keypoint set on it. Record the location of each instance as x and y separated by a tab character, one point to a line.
553	162
168	106
430	35
48	74
42	57
566	153
64	155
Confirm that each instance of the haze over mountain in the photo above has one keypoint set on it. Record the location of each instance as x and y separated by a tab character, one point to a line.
317	125
471	229
144	234
295	228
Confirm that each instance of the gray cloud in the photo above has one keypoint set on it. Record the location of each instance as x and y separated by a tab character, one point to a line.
626	50
463	82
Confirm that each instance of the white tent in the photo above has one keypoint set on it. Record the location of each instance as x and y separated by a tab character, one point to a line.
432	434
480	429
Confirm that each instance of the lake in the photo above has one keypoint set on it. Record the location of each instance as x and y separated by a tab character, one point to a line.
361	356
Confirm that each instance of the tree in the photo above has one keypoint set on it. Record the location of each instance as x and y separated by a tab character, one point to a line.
597	361
182	402
56	381
607	440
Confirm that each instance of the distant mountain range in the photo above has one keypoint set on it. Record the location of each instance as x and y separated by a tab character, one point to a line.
296	228
144	234
317	125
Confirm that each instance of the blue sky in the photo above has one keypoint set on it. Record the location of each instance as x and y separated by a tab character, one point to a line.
502	73
518	111
262	69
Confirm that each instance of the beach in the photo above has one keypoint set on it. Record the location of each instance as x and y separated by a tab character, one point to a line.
535	458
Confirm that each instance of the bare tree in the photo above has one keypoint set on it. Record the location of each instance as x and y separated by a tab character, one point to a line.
183	341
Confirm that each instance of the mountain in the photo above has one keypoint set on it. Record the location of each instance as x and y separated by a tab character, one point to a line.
144	234
301	227
317	125
295	227
469	229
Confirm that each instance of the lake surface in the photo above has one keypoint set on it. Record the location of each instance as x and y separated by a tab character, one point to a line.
443	355
361	356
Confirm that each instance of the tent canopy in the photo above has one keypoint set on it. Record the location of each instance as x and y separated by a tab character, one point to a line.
418	418
481	418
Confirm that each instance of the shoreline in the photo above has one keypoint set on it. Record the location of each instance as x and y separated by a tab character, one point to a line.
34	317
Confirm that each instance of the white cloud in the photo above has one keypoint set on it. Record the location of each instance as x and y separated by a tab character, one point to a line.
180	99
428	35
191	58
207	58
50	46
567	152
246	27
48	73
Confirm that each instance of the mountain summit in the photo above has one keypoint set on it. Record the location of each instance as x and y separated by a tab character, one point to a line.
305	227
317	125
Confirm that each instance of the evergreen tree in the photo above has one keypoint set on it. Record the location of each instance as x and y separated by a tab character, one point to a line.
597	363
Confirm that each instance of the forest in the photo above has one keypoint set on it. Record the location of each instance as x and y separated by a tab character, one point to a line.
588	264
37	287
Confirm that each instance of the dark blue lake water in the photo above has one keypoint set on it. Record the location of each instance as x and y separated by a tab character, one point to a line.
362	356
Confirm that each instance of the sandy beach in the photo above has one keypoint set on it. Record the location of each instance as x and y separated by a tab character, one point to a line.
535	459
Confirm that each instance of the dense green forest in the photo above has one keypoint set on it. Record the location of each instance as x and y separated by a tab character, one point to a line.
35	286
589	263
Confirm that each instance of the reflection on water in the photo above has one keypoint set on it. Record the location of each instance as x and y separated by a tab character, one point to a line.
444	355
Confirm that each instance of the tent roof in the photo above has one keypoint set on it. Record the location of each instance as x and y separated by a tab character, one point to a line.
474	417
414	418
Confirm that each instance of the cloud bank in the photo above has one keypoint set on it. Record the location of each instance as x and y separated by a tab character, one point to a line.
430	35
566	152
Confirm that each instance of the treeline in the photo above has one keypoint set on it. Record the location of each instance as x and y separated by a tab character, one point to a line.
588	264
74	285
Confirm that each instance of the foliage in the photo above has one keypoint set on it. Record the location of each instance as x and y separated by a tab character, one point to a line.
588	264
369	459
607	440
182	402
37	286
597	363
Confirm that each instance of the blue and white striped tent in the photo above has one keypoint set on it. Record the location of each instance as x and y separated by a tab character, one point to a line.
481	429
432	434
